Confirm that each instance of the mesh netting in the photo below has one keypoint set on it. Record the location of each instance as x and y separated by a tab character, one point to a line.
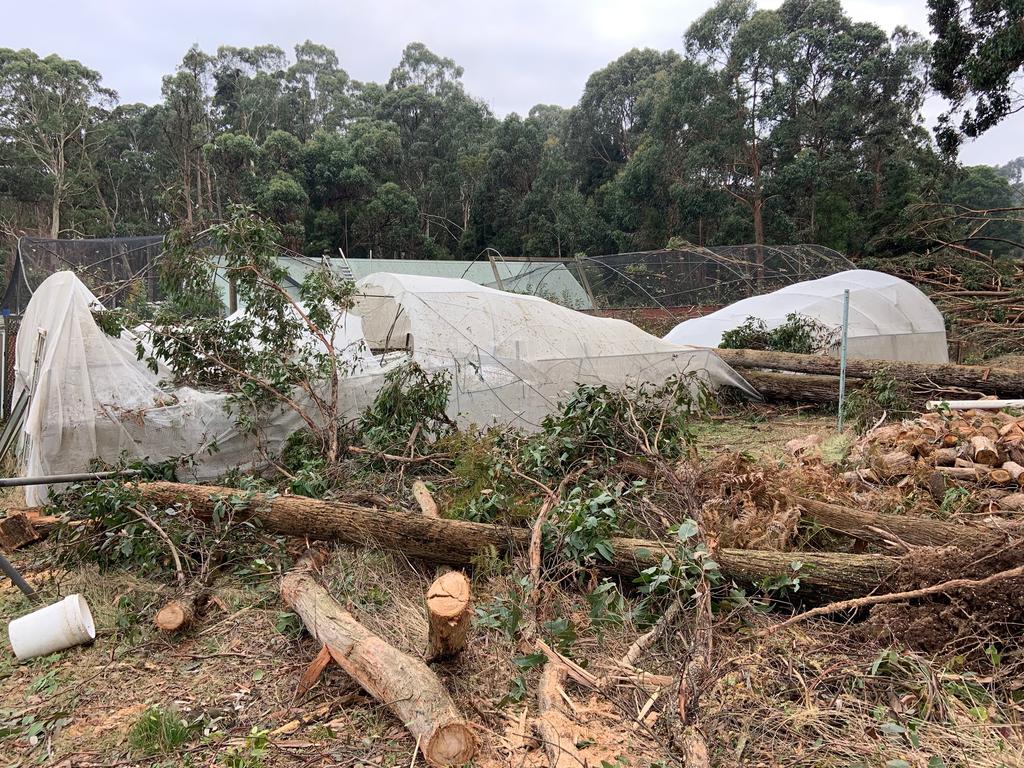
117	269
702	276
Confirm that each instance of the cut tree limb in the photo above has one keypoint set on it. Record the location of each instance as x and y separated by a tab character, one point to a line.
449	611
177	614
458	542
798	388
405	685
1005	382
897	597
422	495
877	527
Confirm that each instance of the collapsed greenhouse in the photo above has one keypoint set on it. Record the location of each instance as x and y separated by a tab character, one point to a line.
889	319
511	357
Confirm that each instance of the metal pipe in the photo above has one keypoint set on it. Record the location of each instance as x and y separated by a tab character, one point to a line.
81	477
16	578
842	359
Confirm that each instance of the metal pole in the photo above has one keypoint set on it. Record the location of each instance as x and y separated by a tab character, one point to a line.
16	579
11	482
842	358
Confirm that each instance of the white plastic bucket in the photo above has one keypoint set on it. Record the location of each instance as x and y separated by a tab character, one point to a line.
52	628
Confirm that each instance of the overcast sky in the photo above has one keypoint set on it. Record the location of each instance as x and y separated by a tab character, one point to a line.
516	54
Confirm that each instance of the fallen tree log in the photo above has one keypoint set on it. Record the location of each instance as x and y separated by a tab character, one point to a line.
458	542
405	685
449	611
881	528
798	388
1005	382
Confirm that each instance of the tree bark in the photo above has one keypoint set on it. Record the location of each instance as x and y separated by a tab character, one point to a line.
457	542
449	611
877	527
406	686
788	387
1004	382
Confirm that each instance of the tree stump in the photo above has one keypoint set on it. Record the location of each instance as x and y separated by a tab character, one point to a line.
449	611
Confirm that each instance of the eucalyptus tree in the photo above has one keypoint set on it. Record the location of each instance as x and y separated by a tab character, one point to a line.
49	108
977	64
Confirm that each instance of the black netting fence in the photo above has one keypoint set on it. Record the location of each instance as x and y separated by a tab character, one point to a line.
703	276
117	270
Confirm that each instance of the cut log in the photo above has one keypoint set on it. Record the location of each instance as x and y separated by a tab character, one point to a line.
458	542
405	685
554	727
798	388
1005	382
176	615
25	526
1000	477
1013	502
949	440
984	451
880	528
970	474
449	611
944	457
895	464
422	495
16	530
1015	470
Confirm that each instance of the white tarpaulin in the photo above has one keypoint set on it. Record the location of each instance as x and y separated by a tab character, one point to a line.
514	357
92	398
890	319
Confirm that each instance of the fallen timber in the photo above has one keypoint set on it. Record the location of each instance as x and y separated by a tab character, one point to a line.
458	542
1004	382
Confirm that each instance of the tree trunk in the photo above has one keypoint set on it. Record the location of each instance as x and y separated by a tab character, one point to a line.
406	686
458	542
880	528
1004	382
803	388
449	611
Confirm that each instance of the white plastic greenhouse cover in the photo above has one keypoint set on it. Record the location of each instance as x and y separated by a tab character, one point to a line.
92	398
514	357
890	319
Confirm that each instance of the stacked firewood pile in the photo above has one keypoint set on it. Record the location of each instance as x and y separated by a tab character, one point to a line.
976	449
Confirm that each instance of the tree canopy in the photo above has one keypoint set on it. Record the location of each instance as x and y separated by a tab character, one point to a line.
769	126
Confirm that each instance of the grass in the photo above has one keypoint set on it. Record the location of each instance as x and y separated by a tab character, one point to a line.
160	731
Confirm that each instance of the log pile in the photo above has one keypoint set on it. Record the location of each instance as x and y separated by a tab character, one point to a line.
979	450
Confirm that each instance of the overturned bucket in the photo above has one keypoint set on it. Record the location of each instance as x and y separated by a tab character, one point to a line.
53	628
